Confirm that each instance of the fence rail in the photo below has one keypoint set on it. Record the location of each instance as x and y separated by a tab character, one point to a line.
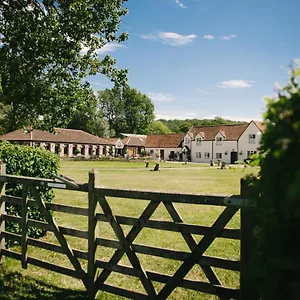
99	211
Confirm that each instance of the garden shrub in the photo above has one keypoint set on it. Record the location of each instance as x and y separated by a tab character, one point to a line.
277	261
143	153
33	162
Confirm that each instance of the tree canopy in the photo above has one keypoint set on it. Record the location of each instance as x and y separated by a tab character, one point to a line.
158	127
178	126
90	119
47	48
126	110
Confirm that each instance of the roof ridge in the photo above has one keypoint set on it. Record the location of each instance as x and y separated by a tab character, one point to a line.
173	133
201	126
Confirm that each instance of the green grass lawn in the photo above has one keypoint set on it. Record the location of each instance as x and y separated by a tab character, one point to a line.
37	283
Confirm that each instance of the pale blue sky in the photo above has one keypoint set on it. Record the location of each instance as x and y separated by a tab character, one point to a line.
206	58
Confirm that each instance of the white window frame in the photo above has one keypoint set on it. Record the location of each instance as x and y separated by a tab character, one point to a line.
198	141
252	138
251	152
219	141
198	154
206	155
218	155
186	140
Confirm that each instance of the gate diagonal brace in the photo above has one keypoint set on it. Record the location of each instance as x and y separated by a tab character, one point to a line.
202	246
127	248
133	233
68	181
192	244
60	237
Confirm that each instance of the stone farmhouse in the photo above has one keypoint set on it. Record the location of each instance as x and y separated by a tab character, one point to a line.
65	142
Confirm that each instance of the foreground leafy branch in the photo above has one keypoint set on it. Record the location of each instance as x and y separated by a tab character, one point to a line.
47	49
277	261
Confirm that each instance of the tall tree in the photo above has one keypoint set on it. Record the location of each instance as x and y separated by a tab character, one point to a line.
112	107
126	109
158	127
47	49
138	111
90	119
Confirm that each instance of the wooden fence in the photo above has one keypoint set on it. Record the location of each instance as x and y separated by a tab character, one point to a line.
99	210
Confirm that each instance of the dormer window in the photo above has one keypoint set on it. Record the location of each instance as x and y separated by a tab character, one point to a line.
219	141
198	141
186	140
251	138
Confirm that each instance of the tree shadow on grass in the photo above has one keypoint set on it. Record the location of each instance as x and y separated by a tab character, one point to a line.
15	286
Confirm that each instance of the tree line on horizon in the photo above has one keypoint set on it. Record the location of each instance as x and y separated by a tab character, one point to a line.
111	112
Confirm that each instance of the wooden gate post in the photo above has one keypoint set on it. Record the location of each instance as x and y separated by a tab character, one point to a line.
24	237
248	288
2	212
92	233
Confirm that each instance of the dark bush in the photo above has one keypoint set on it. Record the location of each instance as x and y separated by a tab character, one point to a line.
33	162
143	153
277	262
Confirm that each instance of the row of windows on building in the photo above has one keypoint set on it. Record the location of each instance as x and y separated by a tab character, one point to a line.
219	140
219	155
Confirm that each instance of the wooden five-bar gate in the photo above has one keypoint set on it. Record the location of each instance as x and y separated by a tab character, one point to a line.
99	210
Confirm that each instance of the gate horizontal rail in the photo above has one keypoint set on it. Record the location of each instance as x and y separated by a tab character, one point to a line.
98	270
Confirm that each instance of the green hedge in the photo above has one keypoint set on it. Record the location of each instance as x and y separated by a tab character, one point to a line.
277	261
33	162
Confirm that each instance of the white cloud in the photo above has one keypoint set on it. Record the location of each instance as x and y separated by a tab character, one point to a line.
235	84
149	36
179	115
208	37
170	38
98	84
161	97
111	47
180	4
229	37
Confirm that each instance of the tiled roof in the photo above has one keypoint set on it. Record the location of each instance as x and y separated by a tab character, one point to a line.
134	141
223	133
112	140
232	132
260	125
61	136
165	140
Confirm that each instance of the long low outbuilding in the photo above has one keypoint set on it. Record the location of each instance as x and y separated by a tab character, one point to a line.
64	142
165	146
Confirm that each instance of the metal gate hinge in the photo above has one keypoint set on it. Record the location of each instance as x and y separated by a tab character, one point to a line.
240	202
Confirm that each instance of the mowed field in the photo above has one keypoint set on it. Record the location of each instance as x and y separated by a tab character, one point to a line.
37	283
